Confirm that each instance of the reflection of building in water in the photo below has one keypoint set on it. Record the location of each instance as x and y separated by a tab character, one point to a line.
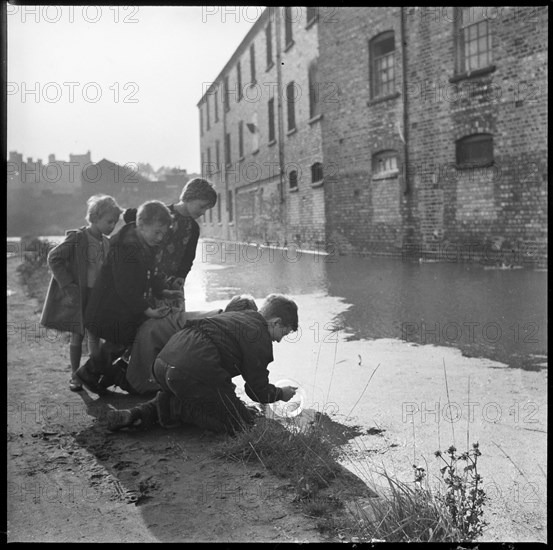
379	129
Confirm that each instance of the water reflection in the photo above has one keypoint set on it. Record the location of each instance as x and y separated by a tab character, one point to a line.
498	314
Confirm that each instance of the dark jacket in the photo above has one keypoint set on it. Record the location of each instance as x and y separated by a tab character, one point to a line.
68	264
179	246
244	347
127	285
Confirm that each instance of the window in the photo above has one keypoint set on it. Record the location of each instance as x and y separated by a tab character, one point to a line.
385	163
227	149
290	100
313	78
219	207
207	112
229	205
239	80
241	139
474	43
269	45
474	150
311	15
208	170
217	157
216	97
288	38
202	167
211	215
293	179
271	107
317	173
201	121
382	50
252	63
226	92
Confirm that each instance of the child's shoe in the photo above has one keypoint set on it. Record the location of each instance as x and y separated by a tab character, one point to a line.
88	378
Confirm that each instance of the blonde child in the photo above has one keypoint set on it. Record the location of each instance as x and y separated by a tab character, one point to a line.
75	264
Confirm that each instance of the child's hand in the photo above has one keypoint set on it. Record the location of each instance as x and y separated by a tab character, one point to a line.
174	298
178	283
288	392
158	312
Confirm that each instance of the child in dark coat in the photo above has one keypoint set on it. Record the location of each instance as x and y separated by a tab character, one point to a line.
196	367
75	264
125	293
153	334
179	246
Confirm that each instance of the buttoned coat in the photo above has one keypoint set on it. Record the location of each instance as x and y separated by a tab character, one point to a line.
68	264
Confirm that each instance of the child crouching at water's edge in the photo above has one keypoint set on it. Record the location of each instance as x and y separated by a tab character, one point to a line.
75	264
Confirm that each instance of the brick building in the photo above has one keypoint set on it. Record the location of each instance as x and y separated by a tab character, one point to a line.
383	130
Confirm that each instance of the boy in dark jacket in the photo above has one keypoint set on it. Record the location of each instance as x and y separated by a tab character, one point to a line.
179	245
125	293
196	367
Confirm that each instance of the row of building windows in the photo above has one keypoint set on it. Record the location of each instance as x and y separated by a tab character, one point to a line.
471	151
474	51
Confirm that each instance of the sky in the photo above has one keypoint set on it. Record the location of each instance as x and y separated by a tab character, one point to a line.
122	82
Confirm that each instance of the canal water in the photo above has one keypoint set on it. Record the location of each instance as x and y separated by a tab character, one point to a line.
499	314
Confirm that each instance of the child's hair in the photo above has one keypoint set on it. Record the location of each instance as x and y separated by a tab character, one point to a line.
199	188
278	305
241	302
99	206
153	211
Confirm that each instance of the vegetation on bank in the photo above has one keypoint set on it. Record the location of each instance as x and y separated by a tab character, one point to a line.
403	512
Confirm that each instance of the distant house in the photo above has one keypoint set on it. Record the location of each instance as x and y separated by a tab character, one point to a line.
111	178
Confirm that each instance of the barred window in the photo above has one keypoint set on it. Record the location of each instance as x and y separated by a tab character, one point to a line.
226	93
252	63
317	172
288	37
271	108
382	52
230	209
474	46
291	102
311	14
293	179
239	80
216	101
314	99
227	149
385	163
240	139
269	44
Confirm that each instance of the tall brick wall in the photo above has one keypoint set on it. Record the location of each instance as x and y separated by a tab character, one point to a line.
362	214
443	205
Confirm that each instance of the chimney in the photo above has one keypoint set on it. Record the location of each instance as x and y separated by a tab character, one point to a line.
51	159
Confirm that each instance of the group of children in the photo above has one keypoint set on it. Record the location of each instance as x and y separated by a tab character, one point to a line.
121	293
